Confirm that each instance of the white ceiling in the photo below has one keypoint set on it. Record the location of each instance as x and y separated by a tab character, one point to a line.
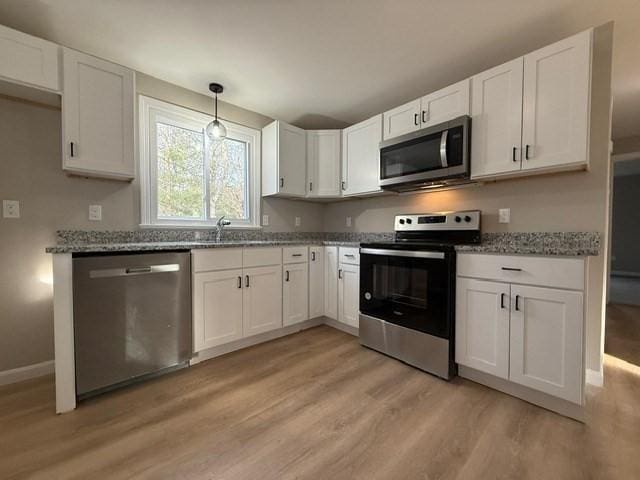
329	63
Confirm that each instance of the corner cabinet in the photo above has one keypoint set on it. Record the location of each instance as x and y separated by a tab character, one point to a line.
361	157
97	117
284	158
521	319
532	114
323	163
29	60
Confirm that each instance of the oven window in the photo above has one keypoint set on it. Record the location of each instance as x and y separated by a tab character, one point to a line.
401	284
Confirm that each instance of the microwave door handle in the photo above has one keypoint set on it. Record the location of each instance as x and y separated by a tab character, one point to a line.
443	149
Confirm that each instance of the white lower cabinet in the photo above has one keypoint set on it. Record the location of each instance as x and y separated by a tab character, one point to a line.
217	308
262	305
482	326
236	301
316	282
349	294
331	282
295	293
530	335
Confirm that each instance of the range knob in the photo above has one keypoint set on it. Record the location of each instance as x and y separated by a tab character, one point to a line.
401	221
458	219
409	221
467	218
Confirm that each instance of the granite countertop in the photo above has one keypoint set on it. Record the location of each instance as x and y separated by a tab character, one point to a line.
568	244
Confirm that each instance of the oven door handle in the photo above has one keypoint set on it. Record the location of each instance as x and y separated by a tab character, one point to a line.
402	253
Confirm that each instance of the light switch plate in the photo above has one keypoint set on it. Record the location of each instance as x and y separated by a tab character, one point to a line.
348	221
95	213
265	220
298	221
504	215
11	208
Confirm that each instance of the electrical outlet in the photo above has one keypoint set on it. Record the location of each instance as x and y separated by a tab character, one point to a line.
95	213
504	215
298	221
265	220
348	221
11	208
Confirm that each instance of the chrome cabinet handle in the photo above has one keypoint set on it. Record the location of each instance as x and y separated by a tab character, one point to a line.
286	276
246	281
239	281
517	303
415	119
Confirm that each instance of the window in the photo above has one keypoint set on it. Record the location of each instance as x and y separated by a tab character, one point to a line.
190	180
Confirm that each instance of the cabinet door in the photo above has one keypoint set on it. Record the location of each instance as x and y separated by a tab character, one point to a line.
316	282
401	120
323	163
29	60
496	116
349	294
556	103
97	114
262	296
295	293
445	104
482	326
217	308
292	152
546	341
361	157
331	282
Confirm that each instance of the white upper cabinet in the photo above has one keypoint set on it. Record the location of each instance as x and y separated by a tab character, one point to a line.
401	120
437	107
29	60
284	158
556	103
323	163
361	157
496	119
97	115
533	113
445	104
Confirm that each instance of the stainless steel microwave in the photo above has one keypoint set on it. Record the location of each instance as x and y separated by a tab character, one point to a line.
431	157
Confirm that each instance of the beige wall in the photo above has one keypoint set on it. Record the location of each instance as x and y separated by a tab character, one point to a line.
30	171
575	201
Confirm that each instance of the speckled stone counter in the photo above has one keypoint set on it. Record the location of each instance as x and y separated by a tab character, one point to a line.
570	244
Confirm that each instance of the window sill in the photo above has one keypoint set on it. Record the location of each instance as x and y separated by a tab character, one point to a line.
179	226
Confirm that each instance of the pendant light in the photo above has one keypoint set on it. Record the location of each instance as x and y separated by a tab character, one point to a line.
215	130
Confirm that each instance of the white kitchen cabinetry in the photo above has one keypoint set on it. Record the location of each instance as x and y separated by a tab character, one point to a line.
532	114
295	285
316	282
29	60
349	286
323	163
284	158
237	293
97	117
521	319
437	107
361	157
331	282
482	326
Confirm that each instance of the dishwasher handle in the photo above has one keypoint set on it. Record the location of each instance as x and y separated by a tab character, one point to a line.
131	271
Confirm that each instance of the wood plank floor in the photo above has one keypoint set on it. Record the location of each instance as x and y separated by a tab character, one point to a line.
317	405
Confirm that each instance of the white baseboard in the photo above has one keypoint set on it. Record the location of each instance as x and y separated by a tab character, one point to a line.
594	377
25	373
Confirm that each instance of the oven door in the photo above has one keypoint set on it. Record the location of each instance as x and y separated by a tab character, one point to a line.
408	288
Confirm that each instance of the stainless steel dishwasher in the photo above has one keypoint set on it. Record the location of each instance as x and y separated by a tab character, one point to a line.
132	317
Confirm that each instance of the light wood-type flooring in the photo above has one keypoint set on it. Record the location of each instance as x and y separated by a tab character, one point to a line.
317	405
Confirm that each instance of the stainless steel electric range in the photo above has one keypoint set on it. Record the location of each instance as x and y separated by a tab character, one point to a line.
407	289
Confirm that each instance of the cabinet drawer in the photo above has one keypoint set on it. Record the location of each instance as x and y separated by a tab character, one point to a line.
295	254
350	255
261	257
544	271
216	259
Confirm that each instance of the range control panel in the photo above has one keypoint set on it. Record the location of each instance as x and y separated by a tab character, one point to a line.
465	220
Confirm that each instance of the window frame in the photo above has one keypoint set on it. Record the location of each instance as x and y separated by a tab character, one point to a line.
149	112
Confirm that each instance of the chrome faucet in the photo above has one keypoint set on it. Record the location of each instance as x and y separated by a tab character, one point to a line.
220	224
